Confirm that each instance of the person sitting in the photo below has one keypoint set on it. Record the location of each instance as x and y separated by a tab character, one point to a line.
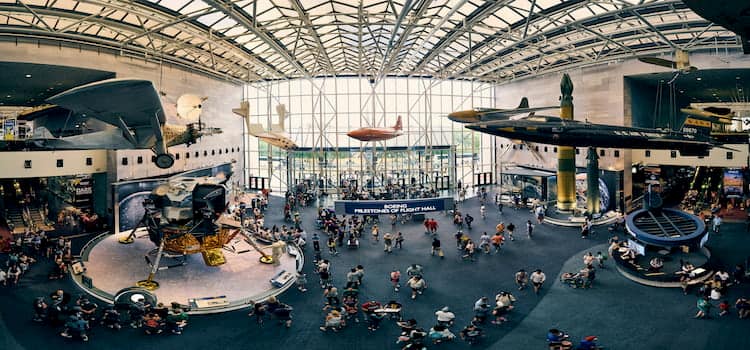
76	327
558	340
628	255
440	333
686	268
152	323
333	320
471	333
40	309
111	318
588	343
743	307
656	264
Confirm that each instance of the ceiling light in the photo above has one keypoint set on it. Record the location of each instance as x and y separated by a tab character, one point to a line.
28	75
737	77
682	91
698	78
7	96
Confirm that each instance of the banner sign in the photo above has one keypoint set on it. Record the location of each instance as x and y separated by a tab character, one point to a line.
733	182
9	129
402	206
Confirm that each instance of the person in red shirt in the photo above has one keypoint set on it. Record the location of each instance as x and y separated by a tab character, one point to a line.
497	241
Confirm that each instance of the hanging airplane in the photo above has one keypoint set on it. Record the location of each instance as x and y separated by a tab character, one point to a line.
377	134
681	61
116	114
719	123
557	131
486	114
276	136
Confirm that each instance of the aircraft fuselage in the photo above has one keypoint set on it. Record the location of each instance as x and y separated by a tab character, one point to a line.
556	131
374	134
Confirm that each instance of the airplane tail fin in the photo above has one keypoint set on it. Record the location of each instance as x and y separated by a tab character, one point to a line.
699	126
281	111
42	133
524	103
398	124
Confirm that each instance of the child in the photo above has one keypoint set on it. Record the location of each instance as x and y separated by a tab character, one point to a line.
723	308
600	258
302	282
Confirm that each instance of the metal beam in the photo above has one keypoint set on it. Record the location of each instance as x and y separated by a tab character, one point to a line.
240	16
314	34
155	14
479	14
489	59
654	30
387	57
118	27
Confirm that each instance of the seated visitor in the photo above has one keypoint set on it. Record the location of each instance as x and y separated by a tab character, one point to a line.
656	264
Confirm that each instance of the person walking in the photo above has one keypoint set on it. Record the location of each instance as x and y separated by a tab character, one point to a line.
537	280
417	285
469	249
522	279
540	214
375	233
511	228
436	249
399	240
484	242
331	294
529	228
332	246
352	278
497	241
395	276
717	223
468	219
387	242
483	212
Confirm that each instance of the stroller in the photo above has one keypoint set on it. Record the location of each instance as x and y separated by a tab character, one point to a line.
350	304
575	280
352	242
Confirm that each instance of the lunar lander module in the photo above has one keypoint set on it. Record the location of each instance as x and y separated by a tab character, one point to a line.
185	216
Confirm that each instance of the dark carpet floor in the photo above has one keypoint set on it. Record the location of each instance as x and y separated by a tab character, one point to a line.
624	315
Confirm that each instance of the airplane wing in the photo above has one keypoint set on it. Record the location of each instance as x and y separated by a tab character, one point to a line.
503	114
130	104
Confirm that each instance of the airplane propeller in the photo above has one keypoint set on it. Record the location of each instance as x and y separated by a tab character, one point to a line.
681	62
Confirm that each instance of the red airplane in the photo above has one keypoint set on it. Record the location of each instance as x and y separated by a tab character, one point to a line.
377	134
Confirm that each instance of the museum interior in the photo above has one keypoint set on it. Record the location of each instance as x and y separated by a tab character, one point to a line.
395	174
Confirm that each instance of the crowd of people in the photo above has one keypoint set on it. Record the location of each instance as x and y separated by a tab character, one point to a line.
343	302
388	192
75	319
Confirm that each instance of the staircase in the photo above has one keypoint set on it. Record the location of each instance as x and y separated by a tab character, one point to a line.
15	220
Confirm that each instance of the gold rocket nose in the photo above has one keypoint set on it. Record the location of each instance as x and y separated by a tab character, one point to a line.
468	116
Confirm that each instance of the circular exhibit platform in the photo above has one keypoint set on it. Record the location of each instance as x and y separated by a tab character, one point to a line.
665	227
668	276
111	266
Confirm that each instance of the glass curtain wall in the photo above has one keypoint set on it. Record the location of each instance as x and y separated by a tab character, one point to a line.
322	110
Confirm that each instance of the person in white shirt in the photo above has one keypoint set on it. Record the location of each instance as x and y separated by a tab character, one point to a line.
445	316
717	223
3	277
537	279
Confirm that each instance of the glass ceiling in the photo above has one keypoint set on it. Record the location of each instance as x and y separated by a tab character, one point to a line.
251	40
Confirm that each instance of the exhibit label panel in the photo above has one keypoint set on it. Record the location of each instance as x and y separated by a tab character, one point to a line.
403	206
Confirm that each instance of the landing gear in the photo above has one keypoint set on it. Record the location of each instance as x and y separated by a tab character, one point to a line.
164	160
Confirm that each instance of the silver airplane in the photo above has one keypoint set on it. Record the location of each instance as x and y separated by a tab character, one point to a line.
128	114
